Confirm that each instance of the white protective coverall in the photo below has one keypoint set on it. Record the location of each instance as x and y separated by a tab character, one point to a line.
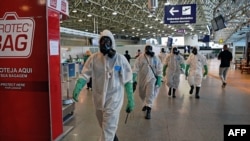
109	75
162	56
146	78
173	70
196	63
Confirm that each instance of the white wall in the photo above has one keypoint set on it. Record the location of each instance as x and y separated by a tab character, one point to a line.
191	40
241	43
132	49
73	51
80	51
152	41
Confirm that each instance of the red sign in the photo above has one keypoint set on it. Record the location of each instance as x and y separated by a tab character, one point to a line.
60	5
53	3
64	6
16	38
30	86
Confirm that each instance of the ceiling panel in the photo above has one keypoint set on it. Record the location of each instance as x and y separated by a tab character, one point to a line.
132	18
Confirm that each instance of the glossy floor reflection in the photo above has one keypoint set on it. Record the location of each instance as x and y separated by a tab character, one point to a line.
181	119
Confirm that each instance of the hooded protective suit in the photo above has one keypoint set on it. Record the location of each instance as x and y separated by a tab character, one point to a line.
109	75
162	55
146	79
173	62
196	63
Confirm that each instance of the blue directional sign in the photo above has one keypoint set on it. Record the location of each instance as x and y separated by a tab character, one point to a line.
180	14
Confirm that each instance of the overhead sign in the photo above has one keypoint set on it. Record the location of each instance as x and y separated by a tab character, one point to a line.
180	31
59	5
180	14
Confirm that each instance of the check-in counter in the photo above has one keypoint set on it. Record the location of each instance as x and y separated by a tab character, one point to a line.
69	73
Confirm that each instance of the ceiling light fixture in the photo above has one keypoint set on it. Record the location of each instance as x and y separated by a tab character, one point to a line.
74	11
85	1
89	15
114	13
167	3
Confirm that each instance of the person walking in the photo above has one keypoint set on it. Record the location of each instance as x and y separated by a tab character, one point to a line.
226	57
162	55
111	73
173	66
148	68
194	71
85	58
127	56
138	53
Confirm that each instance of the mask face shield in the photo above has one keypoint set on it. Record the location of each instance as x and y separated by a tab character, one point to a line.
175	51
163	50
105	46
194	51
149	51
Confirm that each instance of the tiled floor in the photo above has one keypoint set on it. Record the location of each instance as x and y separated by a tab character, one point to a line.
181	119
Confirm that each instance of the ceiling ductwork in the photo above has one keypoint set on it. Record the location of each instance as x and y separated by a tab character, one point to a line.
144	18
152	5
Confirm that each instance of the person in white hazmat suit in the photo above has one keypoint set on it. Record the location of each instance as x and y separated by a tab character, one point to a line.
148	71
194	71
162	55
110	72
173	66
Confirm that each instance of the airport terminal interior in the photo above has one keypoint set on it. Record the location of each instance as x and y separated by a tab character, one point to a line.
183	118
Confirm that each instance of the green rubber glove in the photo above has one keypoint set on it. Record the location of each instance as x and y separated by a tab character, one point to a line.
78	87
182	67
130	96
187	68
158	81
206	70
134	77
164	69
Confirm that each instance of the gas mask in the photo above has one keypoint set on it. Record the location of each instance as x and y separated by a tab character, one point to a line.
194	51
149	51
106	46
175	51
163	50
